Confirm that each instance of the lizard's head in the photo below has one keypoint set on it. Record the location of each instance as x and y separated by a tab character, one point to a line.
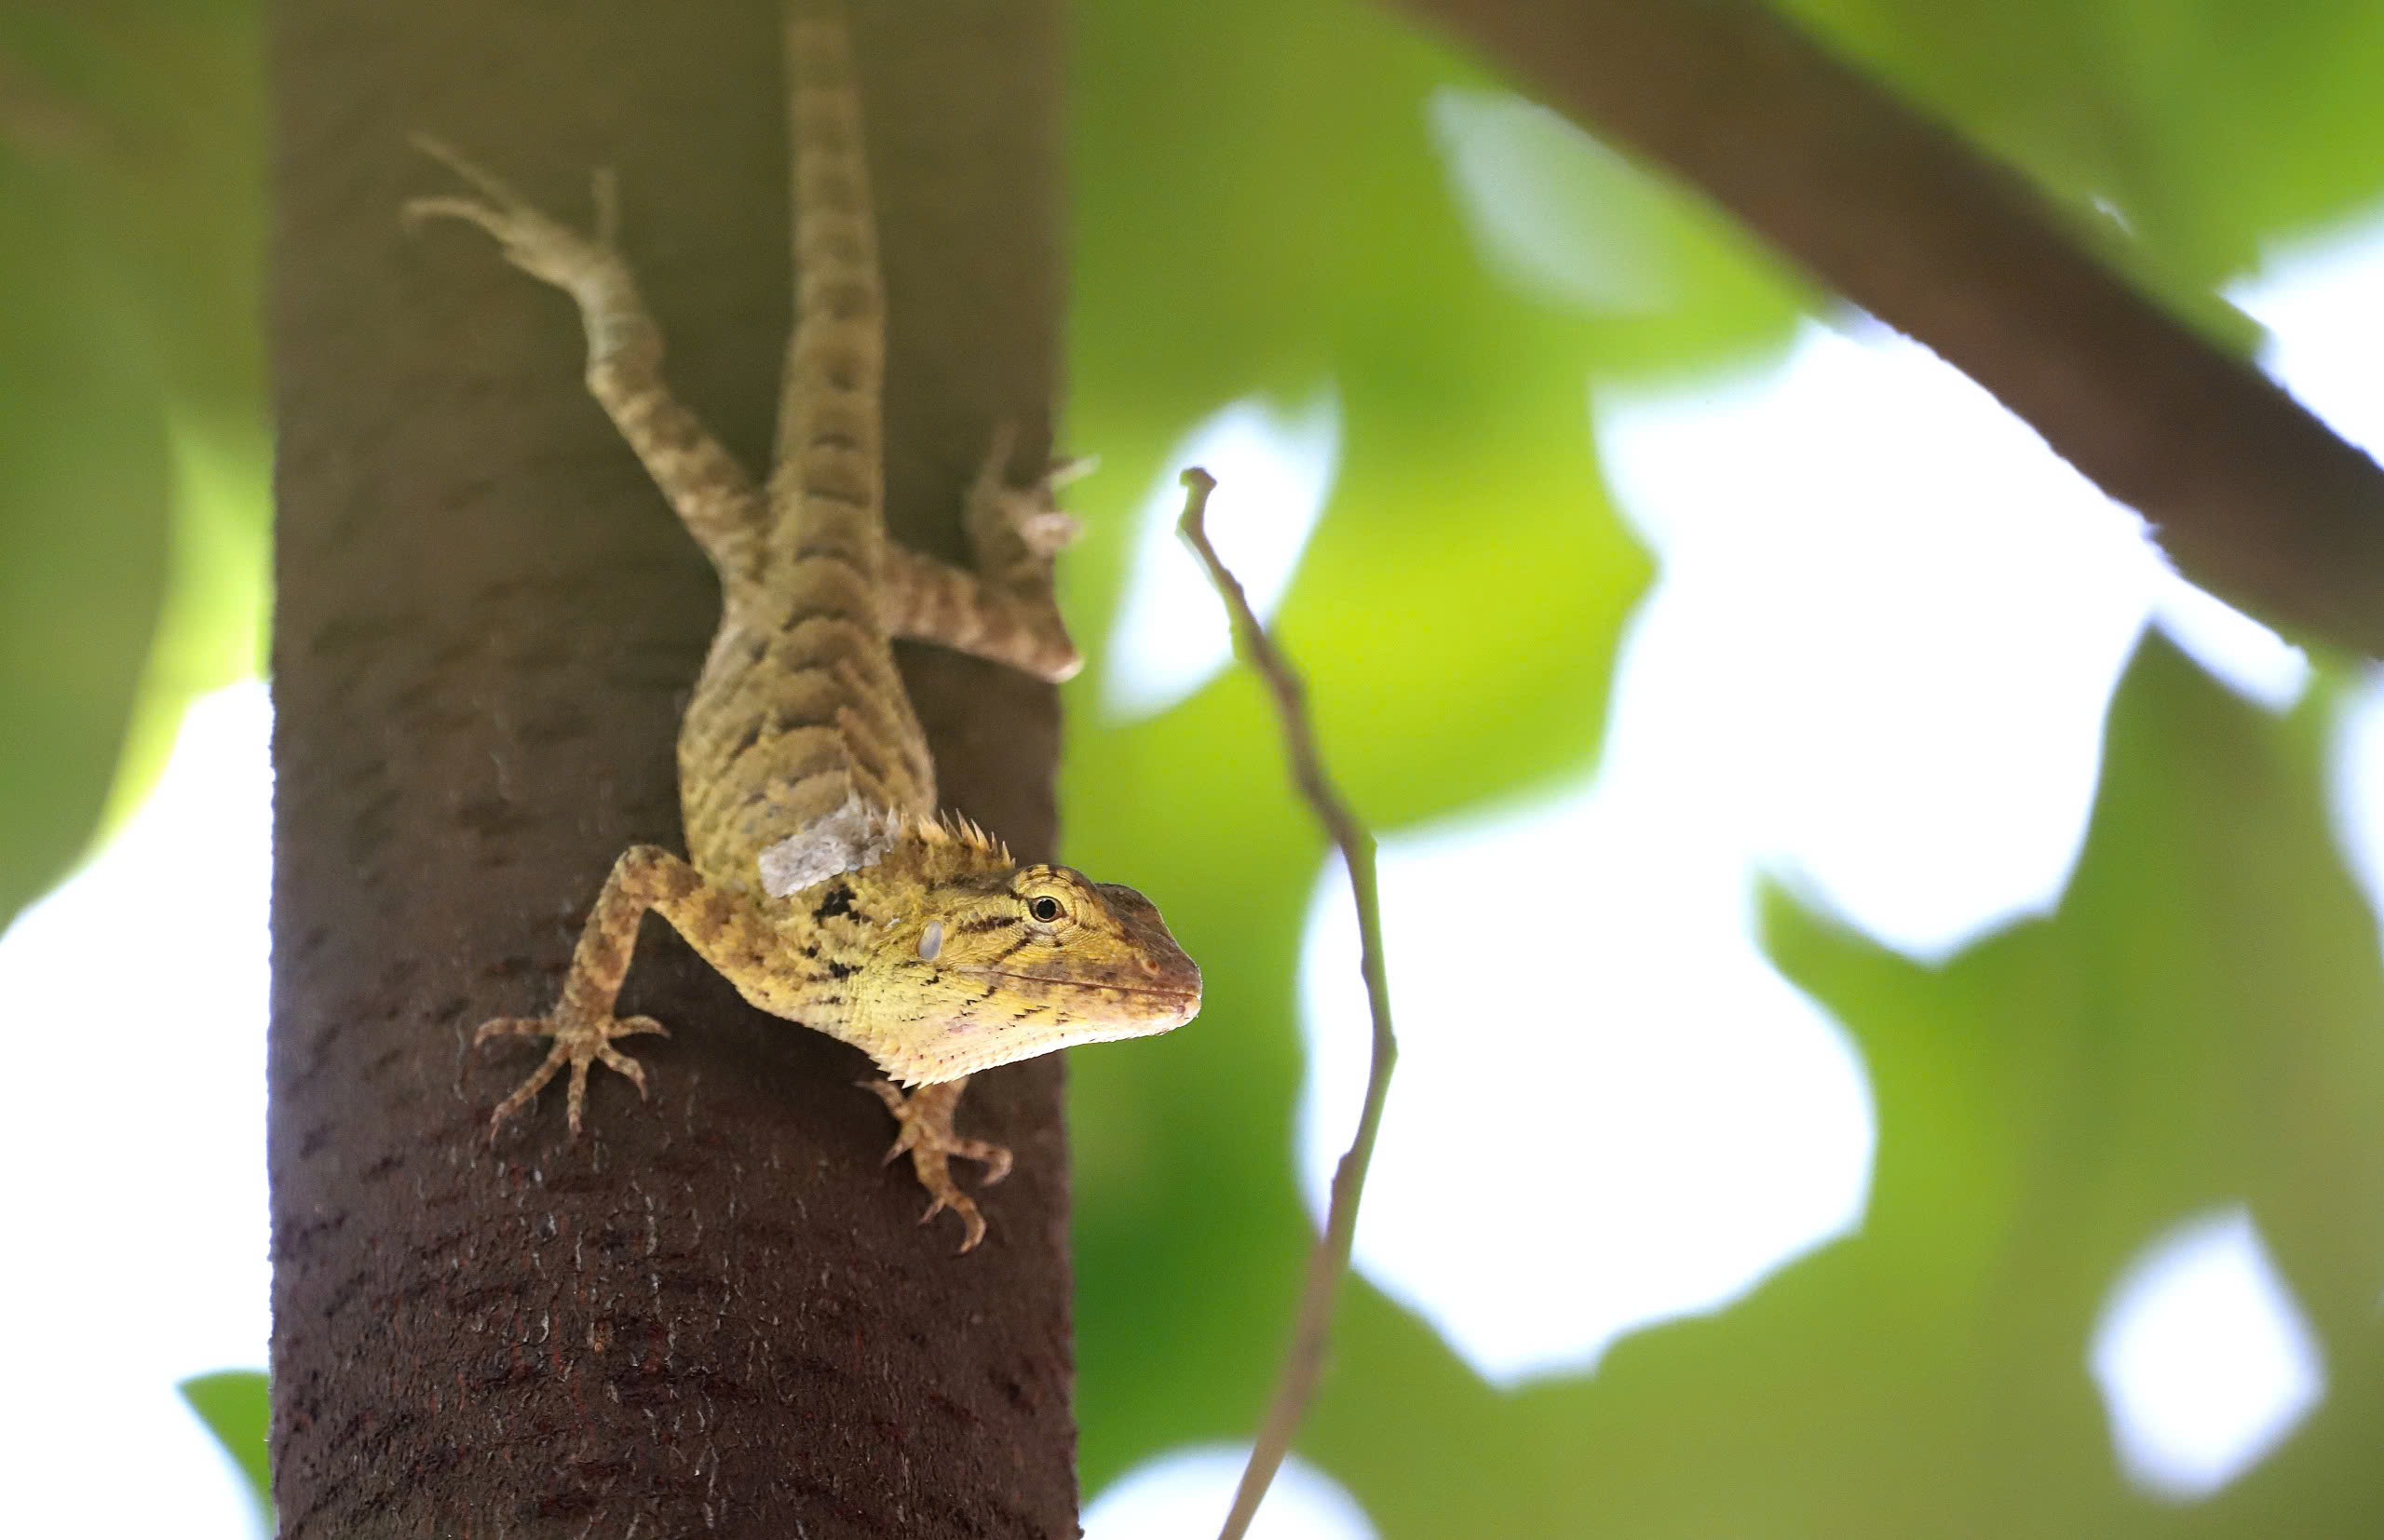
999	965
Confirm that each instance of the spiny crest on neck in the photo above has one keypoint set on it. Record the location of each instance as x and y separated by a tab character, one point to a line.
937	849
953	829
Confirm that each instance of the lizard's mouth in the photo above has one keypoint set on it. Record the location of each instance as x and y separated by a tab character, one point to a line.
1187	1000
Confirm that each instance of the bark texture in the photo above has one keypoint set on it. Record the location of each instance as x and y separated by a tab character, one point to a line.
2253	497
715	1313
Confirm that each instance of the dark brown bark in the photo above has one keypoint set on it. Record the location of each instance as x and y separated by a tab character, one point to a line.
715	1313
2253	496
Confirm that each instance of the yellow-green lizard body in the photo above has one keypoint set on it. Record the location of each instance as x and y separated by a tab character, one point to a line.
821	881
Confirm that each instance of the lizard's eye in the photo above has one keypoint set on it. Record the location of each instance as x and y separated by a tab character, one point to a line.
1045	909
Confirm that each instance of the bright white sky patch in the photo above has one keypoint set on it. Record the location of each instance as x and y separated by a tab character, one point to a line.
2356	785
1632	1117
2204	1359
137	994
2238	650
1905	616
1184	1496
1274	471
2322	302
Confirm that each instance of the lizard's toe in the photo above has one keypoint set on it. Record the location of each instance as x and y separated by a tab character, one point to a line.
972	1222
541	245
1047	532
997	1159
927	1136
512	1026
579	1041
613	1059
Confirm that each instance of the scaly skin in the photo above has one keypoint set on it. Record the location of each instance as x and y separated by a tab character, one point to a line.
821	883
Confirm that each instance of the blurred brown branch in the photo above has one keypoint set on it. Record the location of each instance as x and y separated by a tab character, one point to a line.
2251	496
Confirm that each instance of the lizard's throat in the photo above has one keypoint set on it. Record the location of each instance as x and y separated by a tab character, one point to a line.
926	1053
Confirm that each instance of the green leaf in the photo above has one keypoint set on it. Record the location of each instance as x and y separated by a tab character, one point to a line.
2209	127
232	1403
133	451
83	456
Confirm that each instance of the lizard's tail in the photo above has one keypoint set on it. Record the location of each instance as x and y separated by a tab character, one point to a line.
800	711
830	423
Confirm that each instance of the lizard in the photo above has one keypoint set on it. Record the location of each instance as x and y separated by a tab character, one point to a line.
820	879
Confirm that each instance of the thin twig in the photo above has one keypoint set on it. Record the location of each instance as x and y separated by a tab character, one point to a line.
1305	1359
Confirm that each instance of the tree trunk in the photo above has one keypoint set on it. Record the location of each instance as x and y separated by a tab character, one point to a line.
714	1312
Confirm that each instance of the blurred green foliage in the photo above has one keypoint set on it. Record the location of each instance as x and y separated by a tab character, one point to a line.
232	1403
1264	202
133	504
2196	1026
1260	204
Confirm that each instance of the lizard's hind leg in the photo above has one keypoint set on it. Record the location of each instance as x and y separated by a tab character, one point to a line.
1013	531
1005	609
715	496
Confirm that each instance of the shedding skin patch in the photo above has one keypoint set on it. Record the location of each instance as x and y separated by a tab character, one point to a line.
856	835
930	940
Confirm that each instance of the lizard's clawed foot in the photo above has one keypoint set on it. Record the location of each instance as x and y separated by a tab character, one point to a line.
588	268
927	1137
1028	513
581	1039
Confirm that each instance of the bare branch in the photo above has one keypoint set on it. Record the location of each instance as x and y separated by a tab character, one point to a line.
1330	1259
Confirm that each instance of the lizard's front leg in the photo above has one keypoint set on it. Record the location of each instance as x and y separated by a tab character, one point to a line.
724	926
928	1138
